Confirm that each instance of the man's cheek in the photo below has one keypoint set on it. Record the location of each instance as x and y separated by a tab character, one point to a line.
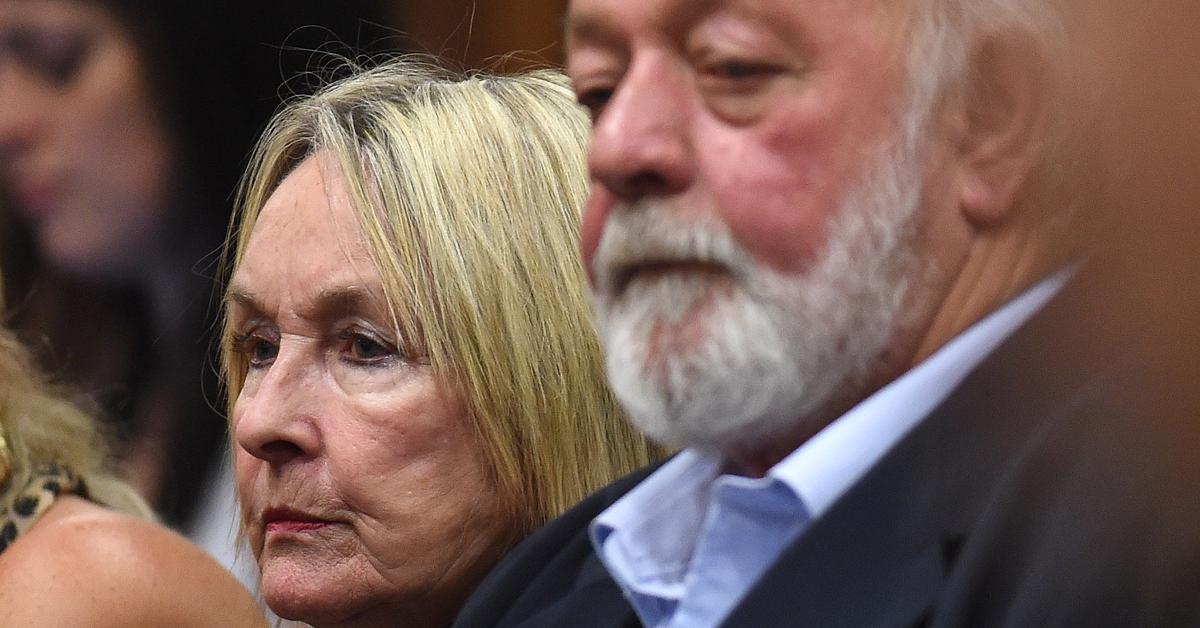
591	229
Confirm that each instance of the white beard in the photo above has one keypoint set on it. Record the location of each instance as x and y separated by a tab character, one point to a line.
737	357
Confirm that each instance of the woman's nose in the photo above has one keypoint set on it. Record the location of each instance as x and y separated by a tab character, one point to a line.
277	418
22	113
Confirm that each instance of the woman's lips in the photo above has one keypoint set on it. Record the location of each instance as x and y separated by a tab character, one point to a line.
280	520
36	198
295	526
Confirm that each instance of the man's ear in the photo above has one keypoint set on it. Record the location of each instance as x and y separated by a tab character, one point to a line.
1006	100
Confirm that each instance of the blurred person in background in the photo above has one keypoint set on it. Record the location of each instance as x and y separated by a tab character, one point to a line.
78	546
415	382
124	125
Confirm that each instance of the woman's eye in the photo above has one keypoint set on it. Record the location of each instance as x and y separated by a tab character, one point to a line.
55	55
364	349
259	351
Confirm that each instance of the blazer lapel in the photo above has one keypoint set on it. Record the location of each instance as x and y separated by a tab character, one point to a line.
594	600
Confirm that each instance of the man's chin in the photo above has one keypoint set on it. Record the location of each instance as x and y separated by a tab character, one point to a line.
696	402
723	436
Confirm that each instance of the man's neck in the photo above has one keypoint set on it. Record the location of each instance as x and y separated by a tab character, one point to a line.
997	268
755	461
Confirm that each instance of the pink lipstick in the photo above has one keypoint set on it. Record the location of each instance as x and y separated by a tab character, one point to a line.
283	520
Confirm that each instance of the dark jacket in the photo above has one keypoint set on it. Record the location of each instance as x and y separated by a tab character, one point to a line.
1058	485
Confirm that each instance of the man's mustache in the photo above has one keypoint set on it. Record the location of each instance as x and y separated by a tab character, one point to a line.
648	236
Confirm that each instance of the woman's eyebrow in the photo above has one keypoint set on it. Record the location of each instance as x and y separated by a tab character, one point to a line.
327	303
334	302
243	298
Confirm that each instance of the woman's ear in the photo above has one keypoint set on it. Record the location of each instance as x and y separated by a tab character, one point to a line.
1006	109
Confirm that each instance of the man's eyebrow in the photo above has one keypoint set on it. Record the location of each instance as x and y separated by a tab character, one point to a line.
589	29
672	16
575	26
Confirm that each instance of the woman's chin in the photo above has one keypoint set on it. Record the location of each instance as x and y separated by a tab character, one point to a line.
316	595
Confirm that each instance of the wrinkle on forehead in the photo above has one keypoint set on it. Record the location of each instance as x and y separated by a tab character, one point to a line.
308	217
328	303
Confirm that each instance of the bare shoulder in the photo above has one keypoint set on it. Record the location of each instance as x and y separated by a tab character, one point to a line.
84	565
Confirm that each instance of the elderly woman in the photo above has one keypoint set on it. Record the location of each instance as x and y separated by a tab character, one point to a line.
414	380
76	547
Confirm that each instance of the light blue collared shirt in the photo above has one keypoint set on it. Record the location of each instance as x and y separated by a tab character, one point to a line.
687	543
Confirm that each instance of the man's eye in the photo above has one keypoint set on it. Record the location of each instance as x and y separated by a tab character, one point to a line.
738	70
594	100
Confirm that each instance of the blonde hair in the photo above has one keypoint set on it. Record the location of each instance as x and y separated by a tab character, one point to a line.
468	190
43	427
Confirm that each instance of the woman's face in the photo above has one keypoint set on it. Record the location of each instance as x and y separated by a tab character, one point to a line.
365	496
84	155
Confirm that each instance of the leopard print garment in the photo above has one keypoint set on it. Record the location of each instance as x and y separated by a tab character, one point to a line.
19	510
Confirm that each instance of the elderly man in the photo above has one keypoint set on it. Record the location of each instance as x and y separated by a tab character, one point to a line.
837	260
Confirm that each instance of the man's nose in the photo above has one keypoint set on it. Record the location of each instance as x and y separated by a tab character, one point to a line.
640	144
276	418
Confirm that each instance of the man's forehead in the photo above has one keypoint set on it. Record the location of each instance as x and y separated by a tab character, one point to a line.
602	20
599	19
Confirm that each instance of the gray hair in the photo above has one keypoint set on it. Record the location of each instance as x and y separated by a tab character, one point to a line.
942	33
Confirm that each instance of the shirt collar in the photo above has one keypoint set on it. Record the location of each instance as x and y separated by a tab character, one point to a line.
679	493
